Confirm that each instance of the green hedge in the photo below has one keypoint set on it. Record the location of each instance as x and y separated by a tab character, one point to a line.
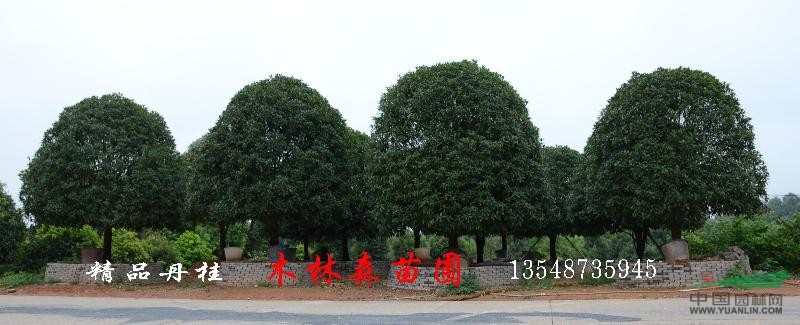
771	243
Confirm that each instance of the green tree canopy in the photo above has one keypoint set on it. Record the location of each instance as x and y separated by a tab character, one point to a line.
456	153
12	228
357	221
560	166
106	161
277	153
784	206
670	148
206	201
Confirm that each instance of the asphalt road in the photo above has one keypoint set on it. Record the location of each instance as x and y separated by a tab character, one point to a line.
78	310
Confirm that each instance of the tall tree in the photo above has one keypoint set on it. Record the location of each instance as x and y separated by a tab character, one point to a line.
784	206
357	221
12	228
107	162
206	199
277	152
560	166
670	148
456	153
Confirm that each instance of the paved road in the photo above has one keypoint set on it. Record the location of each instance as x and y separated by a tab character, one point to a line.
77	310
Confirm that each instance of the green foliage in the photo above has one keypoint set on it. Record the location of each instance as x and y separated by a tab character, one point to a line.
160	246
357	221
377	247
735	272
784	206
128	248
671	147
560	166
455	153
770	244
765	280
192	249
106	162
87	237
50	244
276	154
468	285
535	283
16	279
12	228
617	245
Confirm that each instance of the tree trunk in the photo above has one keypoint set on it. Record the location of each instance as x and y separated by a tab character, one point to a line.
676	226
480	243
504	243
223	239
305	249
345	250
417	237
107	233
640	239
273	231
452	242
553	238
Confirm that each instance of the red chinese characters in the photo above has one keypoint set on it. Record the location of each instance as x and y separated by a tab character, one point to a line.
363	272
408	273
326	271
277	269
448	269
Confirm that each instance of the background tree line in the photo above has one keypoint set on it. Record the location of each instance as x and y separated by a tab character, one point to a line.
453	160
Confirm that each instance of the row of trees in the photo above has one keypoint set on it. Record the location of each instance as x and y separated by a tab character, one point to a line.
453	151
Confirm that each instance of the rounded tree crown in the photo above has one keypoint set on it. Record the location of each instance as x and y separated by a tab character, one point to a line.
105	161
673	143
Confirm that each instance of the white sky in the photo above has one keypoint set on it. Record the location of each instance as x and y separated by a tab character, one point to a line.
186	60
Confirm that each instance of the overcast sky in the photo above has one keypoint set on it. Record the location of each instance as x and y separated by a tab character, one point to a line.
186	60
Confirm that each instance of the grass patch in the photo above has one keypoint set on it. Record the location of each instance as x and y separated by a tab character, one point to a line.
535	283
766	280
16	279
469	285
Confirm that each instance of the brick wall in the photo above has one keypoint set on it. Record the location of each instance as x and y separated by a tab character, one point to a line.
76	273
674	276
487	276
244	274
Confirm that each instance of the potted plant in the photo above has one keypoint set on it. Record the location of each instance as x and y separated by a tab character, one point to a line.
235	248
423	253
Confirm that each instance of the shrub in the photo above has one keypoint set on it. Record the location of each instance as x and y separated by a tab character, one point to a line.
127	248
86	236
12	229
12	233
191	249
11	280
48	244
771	244
468	285
160	246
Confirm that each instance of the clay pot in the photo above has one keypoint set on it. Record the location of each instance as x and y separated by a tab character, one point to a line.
675	250
89	255
233	253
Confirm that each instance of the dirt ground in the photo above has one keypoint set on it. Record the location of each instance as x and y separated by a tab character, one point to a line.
347	292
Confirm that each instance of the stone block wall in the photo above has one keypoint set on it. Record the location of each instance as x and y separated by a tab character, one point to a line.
76	273
245	274
487	276
675	276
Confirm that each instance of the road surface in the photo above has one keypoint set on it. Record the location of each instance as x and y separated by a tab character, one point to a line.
80	310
